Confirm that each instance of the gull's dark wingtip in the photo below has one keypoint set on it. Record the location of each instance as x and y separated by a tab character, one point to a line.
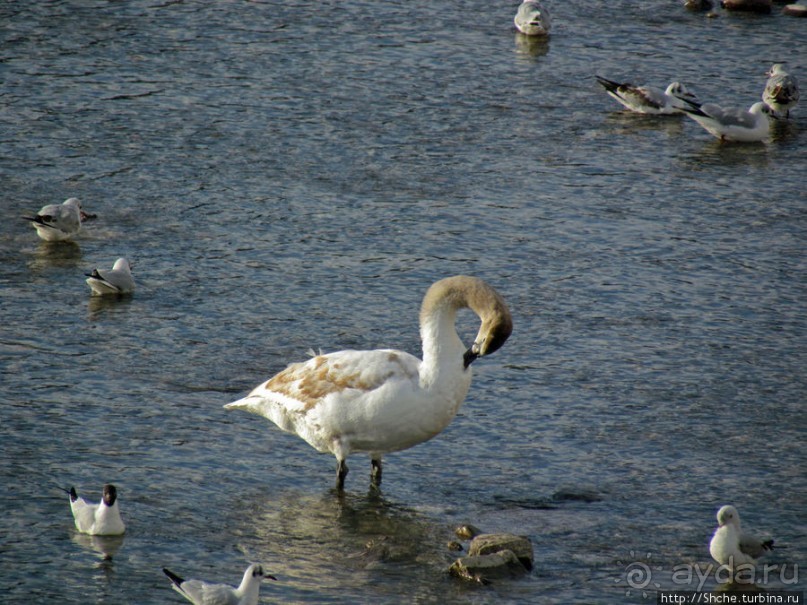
608	84
172	576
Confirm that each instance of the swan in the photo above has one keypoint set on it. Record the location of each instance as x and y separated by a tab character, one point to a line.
386	400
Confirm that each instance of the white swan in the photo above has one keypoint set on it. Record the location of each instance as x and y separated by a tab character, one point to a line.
118	280
59	222
102	519
205	593
730	546
386	400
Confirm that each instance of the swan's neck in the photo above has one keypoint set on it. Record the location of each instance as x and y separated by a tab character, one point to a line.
442	347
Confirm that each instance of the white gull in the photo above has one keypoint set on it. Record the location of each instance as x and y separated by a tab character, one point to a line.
648	99
386	400
59	222
117	280
730	546
532	19
101	519
732	123
781	91
206	593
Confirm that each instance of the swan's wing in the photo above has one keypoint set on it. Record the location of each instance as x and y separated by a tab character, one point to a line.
348	397
301	386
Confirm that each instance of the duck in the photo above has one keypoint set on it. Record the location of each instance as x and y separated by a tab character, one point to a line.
97	519
386	400
731	546
59	222
116	281
200	592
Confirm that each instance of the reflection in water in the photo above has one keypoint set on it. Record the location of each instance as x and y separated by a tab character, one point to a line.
534	46
97	305
621	122
55	254
729	155
783	131
332	535
106	546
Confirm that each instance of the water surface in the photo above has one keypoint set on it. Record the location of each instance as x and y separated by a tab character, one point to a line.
294	176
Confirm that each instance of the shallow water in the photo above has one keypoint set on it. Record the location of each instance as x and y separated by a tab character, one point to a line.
294	176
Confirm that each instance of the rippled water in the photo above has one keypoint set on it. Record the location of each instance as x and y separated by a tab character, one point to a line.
289	176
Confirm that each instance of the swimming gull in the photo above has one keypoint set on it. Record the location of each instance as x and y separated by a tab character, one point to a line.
532	19
205	593
648	99
101	519
386	400
117	280
730	546
781	91
732	123
59	222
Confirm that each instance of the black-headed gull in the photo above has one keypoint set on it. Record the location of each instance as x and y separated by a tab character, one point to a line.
59	222
648	99
101	519
205	593
532	19
117	280
386	400
731	546
781	91
732	123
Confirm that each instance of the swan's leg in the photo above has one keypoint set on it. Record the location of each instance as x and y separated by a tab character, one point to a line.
341	473
375	474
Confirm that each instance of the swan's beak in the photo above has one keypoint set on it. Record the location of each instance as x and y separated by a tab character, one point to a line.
469	356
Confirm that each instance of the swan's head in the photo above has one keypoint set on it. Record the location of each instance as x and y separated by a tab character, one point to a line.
463	291
494	331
